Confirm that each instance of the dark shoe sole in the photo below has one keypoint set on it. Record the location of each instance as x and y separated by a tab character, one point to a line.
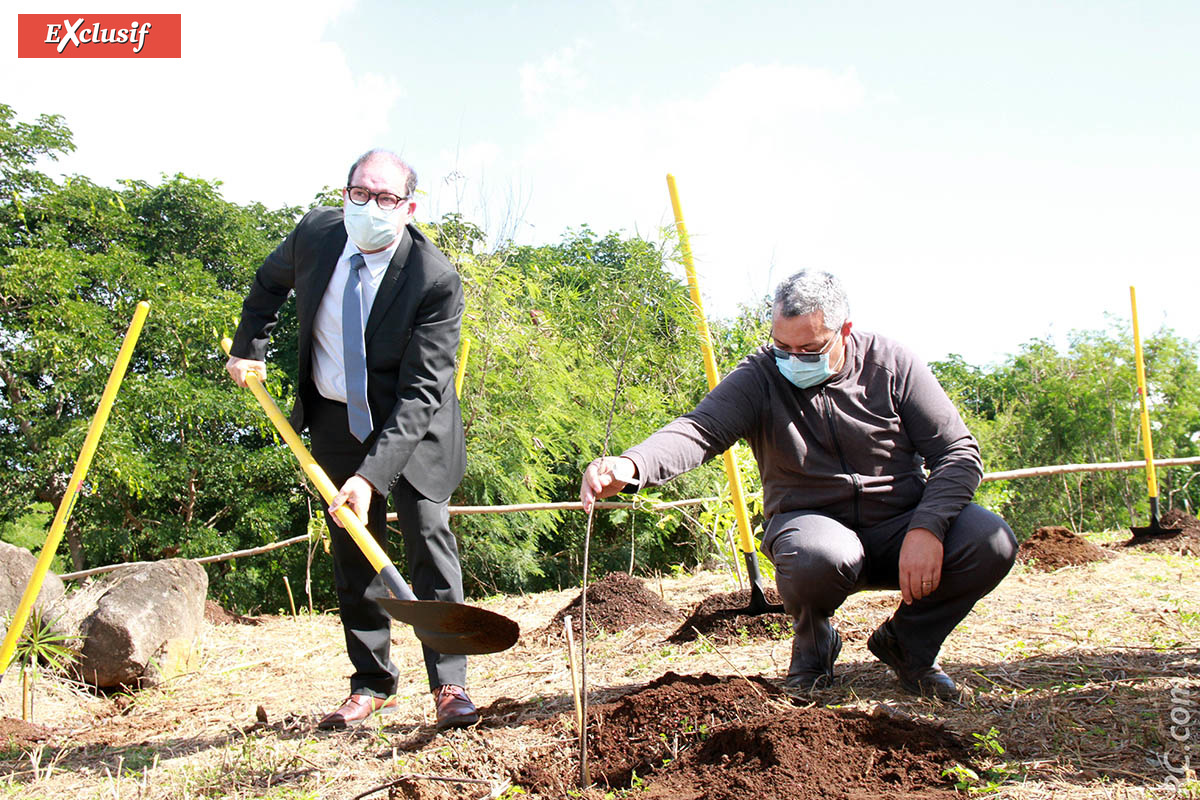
464	721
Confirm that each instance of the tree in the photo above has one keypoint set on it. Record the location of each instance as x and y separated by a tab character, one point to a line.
1042	406
187	465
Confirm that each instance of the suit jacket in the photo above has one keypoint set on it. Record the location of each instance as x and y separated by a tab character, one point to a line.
411	338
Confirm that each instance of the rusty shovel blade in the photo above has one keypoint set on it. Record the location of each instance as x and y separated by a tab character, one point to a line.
454	628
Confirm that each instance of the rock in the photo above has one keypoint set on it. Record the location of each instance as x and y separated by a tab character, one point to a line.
144	625
16	567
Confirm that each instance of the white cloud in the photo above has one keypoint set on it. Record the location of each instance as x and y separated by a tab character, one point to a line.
256	92
553	80
948	240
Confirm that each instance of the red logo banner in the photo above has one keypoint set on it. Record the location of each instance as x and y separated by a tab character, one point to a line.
99	35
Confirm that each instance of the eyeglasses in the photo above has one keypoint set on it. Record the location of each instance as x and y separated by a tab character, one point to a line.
810	358
386	200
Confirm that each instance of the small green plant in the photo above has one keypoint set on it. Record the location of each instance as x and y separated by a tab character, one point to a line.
964	778
989	742
40	645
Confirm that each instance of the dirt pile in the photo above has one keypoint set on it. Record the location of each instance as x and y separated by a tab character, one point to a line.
18	733
1186	542
615	602
721	738
719	617
215	614
1054	547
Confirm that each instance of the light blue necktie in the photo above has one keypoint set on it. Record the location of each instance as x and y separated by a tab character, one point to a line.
354	353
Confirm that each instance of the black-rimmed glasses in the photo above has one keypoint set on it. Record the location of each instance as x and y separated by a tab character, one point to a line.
386	200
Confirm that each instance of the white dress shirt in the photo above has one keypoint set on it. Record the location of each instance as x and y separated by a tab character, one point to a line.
328	365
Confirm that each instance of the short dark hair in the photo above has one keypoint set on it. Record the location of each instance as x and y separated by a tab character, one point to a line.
410	181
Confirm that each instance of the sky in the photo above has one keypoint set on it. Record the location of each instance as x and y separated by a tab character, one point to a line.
978	174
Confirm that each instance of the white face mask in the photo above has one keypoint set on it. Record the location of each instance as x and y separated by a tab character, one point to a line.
369	226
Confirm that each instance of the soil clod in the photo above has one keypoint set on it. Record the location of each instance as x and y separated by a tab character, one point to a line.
1053	547
714	737
615	602
720	618
21	734
1186	542
214	614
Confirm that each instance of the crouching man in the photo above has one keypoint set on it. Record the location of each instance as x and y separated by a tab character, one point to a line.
844	425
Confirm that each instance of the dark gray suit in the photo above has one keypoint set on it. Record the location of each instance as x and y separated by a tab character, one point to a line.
416	452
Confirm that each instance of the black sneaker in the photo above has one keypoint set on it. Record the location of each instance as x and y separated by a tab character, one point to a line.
807	679
928	681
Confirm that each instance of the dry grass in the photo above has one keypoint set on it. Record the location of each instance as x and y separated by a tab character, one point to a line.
1073	669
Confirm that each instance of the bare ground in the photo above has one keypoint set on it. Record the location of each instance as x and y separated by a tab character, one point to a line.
1078	671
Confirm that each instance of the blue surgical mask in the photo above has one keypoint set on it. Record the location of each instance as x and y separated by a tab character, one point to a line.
805	370
369	226
804	374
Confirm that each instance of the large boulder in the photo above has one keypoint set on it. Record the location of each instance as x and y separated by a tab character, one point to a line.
16	567
144	625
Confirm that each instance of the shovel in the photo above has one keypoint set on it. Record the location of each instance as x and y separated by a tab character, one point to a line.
450	628
1153	529
758	598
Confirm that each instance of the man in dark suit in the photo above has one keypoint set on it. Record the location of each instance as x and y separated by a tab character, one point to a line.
380	308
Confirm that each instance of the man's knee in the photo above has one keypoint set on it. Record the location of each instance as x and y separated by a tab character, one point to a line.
816	561
982	541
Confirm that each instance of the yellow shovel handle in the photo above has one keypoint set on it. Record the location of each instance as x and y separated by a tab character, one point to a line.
350	521
1147	444
710	369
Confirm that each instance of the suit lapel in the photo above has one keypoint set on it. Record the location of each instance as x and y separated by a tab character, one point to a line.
390	286
324	263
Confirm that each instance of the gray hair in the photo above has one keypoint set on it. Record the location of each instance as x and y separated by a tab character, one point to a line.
813	290
410	182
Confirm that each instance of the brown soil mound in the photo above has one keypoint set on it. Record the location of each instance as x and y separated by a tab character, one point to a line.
1054	547
1186	542
718	738
20	733
214	614
719	617
615	602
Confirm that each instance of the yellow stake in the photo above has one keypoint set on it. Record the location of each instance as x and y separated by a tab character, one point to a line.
462	366
1147	446
17	626
350	521
710	370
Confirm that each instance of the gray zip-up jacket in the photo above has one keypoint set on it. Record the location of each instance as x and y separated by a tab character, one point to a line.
851	448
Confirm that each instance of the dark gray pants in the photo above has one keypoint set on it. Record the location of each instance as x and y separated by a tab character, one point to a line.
819	563
433	567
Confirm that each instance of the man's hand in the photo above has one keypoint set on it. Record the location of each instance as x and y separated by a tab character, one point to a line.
920	564
239	368
356	496
605	477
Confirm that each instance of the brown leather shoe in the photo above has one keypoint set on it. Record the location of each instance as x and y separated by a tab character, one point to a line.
355	709
454	708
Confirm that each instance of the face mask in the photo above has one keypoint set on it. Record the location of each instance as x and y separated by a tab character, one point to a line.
804	374
369	226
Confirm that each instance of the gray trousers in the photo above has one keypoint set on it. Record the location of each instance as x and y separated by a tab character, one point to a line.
819	563
434	571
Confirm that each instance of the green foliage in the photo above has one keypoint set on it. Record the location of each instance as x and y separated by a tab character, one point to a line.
186	465
562	335
1043	407
579	348
22	144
